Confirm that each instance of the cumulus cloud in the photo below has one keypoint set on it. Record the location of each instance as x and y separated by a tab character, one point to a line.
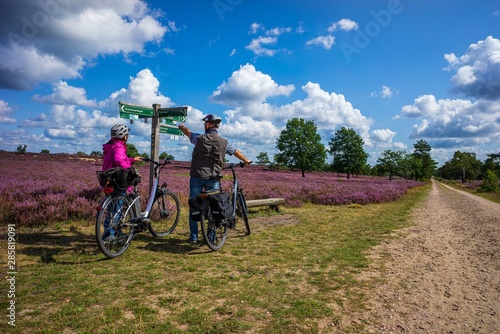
454	122
248	86
5	110
330	111
324	41
67	122
52	40
260	46
386	92
343	24
66	95
478	70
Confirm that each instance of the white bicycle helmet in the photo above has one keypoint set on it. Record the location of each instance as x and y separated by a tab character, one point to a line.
119	131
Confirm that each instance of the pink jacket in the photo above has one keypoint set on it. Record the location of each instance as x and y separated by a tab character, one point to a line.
115	155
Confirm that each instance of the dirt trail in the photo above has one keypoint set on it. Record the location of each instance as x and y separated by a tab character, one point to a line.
444	275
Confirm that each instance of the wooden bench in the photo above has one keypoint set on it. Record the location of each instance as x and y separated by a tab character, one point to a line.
271	202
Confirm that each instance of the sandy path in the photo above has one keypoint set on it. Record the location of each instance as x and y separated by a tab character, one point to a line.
443	276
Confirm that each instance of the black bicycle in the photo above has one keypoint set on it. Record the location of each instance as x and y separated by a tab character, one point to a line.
214	224
119	216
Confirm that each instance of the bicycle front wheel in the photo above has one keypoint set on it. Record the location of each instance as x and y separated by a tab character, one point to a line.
112	228
214	230
242	211
164	214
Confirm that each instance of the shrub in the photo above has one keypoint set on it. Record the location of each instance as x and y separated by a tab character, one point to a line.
490	183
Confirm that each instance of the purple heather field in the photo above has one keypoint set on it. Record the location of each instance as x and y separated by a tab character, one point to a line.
39	189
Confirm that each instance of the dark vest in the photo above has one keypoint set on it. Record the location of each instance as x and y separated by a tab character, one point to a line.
208	156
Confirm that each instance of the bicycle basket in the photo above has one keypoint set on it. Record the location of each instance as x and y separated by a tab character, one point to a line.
118	177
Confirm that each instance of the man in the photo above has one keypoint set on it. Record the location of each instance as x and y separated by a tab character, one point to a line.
207	161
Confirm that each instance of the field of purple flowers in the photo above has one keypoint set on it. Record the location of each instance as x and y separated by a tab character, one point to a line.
39	189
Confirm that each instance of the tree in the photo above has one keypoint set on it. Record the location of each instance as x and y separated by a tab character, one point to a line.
166	156
96	153
422	152
44	151
132	151
263	159
347	151
463	165
21	149
300	146
391	161
491	163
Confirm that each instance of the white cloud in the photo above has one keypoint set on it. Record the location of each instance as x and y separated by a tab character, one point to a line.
278	31
330	111
454	122
478	70
324	41
66	95
386	92
5	110
69	36
256	46
248	86
382	135
343	24
255	27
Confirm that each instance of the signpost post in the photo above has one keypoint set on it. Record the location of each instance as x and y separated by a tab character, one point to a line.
170	116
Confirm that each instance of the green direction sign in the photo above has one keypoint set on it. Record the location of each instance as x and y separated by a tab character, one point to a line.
170	129
131	111
176	113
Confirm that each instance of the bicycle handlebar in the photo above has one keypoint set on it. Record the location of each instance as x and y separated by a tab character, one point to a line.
167	161
239	164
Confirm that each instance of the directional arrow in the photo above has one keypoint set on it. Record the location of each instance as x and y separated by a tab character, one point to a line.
129	109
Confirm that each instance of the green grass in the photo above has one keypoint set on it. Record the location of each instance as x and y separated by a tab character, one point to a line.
492	196
296	273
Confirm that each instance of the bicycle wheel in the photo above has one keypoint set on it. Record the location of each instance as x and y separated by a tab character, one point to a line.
164	214
112	229
214	230
241	211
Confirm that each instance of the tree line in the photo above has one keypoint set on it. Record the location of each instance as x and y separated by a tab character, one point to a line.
299	148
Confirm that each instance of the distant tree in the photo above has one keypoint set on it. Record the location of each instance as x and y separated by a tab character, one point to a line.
44	151
300	147
263	159
96	153
492	163
464	166
81	153
21	149
132	151
390	162
346	148
165	156
422	152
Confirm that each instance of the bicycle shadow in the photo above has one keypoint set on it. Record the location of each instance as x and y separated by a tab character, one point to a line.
47	245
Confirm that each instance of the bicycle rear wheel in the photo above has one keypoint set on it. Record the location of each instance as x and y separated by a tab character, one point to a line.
214	230
242	211
112	229
164	214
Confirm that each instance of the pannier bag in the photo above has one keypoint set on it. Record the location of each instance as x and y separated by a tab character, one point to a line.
221	205
118	177
196	205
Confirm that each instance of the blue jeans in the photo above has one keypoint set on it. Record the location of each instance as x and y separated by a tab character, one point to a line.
196	186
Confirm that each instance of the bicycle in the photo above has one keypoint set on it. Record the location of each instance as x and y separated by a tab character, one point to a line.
119	217
215	230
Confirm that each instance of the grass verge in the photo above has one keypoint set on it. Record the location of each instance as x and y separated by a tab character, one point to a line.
296	273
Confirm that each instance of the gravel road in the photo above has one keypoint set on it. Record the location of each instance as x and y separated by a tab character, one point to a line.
443	276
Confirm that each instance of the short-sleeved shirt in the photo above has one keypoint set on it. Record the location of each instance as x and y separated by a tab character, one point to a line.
209	152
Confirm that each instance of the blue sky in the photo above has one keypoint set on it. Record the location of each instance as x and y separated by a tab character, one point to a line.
395	71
